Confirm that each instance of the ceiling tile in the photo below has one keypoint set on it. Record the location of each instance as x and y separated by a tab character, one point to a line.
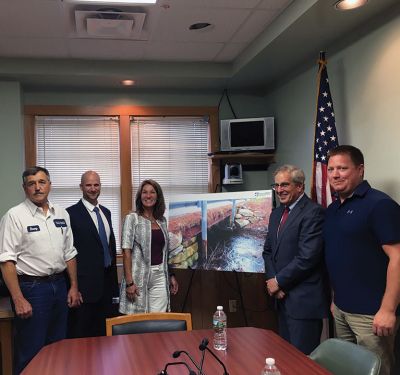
275	4
239	4
253	26
33	18
33	47
174	26
243	4
106	49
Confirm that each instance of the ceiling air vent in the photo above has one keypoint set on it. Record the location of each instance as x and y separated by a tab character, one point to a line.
109	23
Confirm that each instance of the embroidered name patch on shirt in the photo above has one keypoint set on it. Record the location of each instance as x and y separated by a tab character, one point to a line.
60	223
33	228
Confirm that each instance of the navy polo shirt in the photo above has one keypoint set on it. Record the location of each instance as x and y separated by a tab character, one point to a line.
354	232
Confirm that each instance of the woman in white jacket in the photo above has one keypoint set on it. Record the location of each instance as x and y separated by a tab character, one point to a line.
146	284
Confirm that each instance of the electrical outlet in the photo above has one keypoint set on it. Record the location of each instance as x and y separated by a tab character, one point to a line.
232	305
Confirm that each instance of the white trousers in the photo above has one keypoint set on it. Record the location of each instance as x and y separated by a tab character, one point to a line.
157	290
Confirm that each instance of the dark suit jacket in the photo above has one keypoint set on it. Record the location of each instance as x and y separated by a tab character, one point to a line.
90	258
295	257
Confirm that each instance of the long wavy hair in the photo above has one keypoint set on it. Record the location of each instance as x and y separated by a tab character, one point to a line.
159	207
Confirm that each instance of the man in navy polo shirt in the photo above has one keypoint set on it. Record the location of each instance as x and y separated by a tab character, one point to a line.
362	250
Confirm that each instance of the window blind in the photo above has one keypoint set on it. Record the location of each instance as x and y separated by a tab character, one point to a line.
70	145
172	151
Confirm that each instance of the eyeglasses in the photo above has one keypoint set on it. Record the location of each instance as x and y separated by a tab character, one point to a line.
283	185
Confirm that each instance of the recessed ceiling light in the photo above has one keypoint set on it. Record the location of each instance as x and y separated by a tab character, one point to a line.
199	26
127	82
349	4
115	1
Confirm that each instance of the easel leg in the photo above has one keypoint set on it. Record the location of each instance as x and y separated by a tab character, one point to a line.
241	298
193	271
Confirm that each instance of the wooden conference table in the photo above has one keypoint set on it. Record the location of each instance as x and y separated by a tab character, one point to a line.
147	354
6	318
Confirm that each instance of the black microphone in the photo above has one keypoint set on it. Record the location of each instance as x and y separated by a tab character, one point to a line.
164	372
177	353
203	346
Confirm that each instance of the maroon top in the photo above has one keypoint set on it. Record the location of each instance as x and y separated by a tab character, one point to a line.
157	244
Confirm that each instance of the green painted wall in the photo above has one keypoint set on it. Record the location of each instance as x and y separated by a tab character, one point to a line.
11	145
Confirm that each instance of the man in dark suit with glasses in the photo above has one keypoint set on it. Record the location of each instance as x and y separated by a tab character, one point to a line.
293	255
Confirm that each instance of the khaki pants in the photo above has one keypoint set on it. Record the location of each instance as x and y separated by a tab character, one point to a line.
357	328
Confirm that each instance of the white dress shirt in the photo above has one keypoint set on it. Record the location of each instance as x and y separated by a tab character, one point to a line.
90	207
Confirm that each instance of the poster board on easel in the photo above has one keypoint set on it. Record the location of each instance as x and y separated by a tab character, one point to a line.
221	231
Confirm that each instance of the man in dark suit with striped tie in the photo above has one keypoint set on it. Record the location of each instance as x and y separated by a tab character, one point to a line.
293	255
96	260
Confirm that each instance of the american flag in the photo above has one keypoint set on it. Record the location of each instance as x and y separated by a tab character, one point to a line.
325	138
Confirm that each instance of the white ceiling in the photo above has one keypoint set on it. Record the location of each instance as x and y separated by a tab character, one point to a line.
46	28
250	44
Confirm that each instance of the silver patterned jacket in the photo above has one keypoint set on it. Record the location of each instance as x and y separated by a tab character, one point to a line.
136	235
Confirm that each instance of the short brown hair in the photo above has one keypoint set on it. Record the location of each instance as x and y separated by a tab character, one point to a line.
354	153
32	171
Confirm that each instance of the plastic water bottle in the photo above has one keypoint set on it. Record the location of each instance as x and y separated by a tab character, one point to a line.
270	368
219	325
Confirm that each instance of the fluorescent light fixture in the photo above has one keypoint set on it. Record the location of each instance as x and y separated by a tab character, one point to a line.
349	4
110	2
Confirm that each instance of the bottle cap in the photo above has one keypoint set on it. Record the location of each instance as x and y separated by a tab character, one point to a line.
220	307
270	361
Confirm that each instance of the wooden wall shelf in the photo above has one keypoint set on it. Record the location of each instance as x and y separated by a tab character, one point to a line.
244	157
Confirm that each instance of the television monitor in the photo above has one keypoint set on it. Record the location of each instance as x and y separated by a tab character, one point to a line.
250	134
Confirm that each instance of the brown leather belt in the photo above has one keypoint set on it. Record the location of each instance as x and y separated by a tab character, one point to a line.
54	276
